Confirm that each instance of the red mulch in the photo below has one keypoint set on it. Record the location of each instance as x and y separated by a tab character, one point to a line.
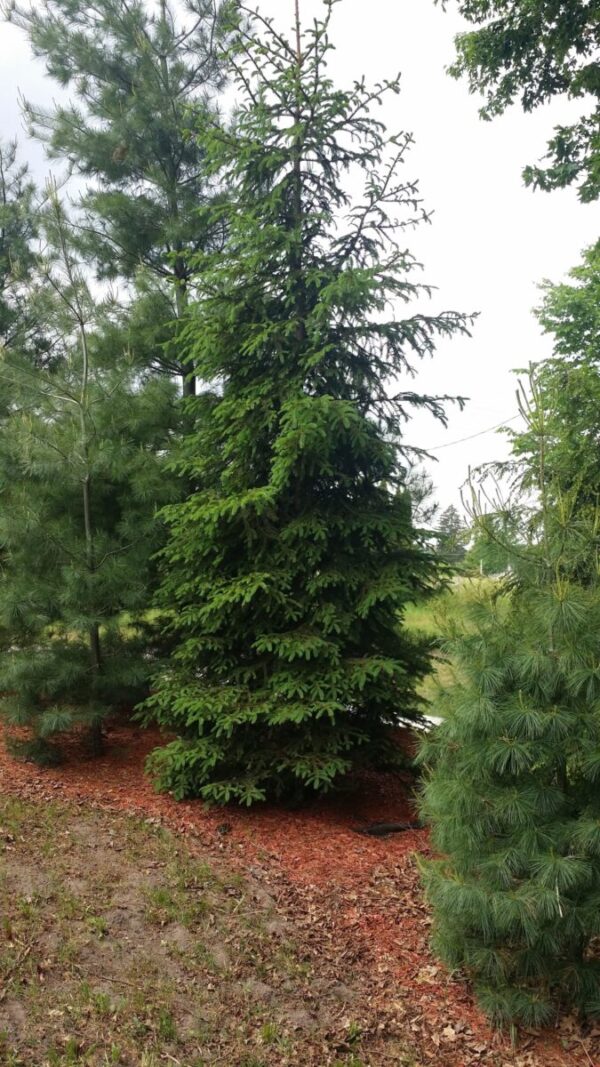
362	890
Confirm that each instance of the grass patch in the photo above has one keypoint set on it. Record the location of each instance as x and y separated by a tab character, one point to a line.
118	946
435	617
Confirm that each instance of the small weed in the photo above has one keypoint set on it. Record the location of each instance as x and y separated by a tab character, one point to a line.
162	898
71	1050
101	1003
166	906
167	1031
68	906
28	907
354	1033
68	951
137	1028
269	1034
13	1061
67	1057
163	906
98	925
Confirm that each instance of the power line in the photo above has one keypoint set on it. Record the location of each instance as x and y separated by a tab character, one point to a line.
472	436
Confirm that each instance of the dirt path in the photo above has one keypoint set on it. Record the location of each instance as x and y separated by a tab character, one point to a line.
356	895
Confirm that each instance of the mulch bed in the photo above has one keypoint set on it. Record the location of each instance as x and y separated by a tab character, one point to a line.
363	891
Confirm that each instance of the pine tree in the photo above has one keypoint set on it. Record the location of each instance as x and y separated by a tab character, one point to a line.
140	73
81	478
288	569
512	772
450	536
18	237
422	495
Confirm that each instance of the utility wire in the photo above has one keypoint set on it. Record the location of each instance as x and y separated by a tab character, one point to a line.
472	436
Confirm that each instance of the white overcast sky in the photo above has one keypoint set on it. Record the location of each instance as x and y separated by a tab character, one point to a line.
491	240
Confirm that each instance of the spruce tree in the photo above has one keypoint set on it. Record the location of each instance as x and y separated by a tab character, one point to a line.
288	568
512	771
140	74
450	536
81	479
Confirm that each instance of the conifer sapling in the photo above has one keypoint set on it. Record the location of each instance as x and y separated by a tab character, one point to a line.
81	480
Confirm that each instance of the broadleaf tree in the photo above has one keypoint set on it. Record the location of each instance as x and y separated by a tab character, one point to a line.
288	568
532	51
569	385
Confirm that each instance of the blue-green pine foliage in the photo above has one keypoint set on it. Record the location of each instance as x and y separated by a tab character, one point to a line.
136	74
512	772
82	477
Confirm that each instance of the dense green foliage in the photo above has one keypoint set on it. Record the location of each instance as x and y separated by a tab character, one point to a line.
513	788
450	536
533	51
571	311
512	771
569	386
140	74
490	550
288	568
563	437
81	479
18	233
87	401
296	580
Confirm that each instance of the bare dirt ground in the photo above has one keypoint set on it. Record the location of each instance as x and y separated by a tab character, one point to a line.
138	931
119	945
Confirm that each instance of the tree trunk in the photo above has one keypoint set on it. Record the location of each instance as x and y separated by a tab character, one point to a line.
95	739
95	735
188	382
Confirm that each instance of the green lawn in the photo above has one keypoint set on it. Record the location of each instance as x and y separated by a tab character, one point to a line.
433	616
